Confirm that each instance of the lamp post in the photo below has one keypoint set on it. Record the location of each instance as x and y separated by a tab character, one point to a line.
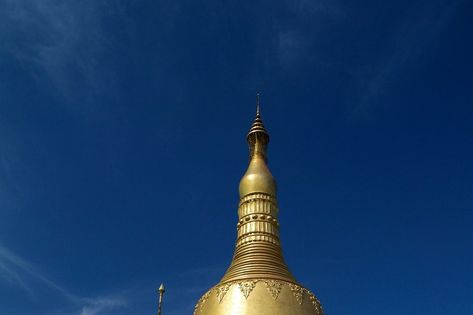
161	293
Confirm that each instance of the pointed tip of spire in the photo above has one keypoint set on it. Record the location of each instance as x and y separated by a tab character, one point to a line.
161	288
257	129
257	103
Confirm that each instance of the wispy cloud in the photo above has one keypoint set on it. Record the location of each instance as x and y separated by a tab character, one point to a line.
422	23
60	43
295	44
291	45
8	181
18	271
15	267
100	305
11	275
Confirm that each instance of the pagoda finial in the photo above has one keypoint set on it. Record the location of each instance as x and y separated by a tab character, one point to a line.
257	104
257	137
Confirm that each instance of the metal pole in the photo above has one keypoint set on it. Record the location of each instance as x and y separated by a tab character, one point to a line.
161	293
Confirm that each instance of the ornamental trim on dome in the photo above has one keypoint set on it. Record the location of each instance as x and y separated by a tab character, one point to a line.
274	287
246	287
221	291
298	292
315	302
202	301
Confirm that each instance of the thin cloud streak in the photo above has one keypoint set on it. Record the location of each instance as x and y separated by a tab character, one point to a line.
418	30
13	262
61	44
100	305
11	275
295	46
16	269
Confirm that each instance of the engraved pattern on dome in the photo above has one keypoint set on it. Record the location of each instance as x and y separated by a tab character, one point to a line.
246	287
221	291
298	292
271	288
274	287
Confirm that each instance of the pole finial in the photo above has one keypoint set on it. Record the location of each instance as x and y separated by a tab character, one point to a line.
161	291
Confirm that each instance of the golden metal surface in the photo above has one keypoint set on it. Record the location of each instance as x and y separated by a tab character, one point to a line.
258	281
258	296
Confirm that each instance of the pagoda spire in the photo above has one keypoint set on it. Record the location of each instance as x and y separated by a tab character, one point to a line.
257	104
258	226
258	137
258	280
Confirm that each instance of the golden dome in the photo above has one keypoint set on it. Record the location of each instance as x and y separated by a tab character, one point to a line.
258	281
258	297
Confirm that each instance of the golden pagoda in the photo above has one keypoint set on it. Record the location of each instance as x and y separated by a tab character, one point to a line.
258	281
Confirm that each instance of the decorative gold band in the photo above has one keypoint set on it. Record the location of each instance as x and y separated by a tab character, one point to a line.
274	287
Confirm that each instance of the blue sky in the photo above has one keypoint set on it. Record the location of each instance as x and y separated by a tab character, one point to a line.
122	141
